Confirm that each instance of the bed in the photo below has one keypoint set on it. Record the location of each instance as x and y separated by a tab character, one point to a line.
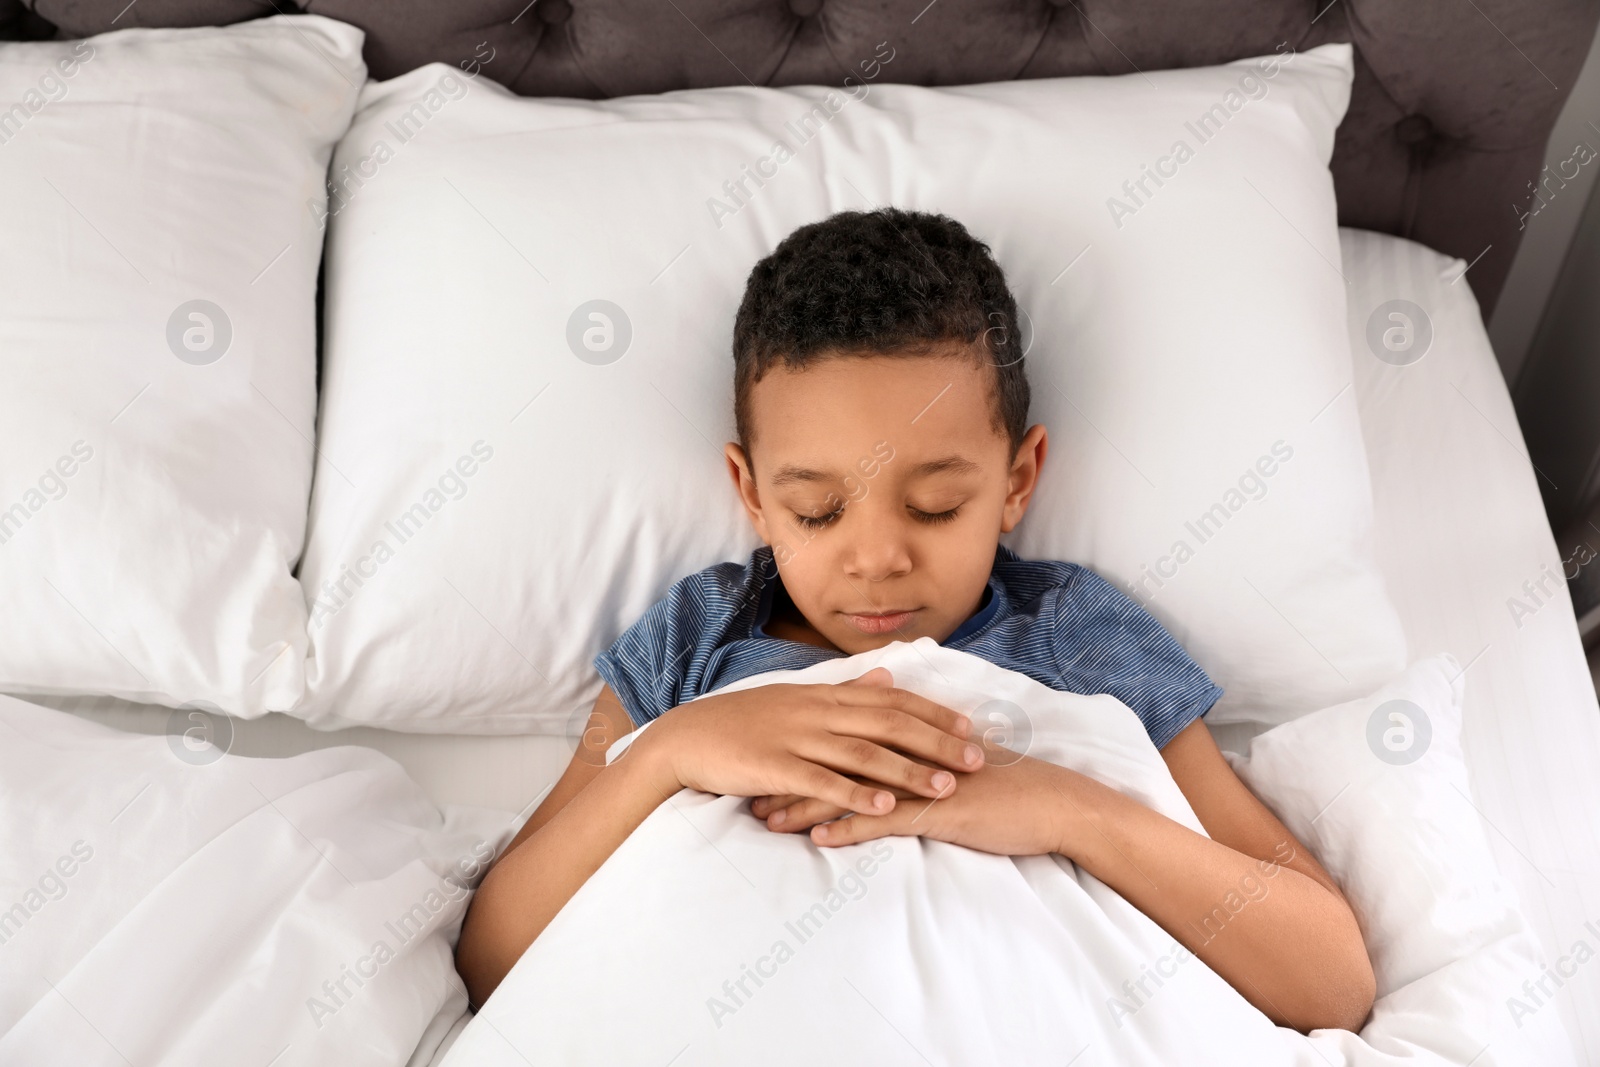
1460	529
1455	495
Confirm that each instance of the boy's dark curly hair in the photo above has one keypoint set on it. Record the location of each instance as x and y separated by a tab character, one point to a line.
883	282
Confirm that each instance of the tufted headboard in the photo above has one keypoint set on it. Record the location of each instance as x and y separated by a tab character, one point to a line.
1452	105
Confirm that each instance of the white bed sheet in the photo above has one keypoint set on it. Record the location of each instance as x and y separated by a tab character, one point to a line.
1460	528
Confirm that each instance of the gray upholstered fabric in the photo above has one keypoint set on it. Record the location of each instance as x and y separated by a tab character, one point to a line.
1453	100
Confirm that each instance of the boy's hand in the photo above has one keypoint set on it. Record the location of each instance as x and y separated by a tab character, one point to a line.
1013	806
805	740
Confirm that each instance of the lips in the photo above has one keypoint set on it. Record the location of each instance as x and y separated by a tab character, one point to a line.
882	622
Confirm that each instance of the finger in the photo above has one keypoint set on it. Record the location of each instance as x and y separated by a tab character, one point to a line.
877	676
766	808
802	815
761	807
859	828
905	732
858	756
903	700
806	813
815	780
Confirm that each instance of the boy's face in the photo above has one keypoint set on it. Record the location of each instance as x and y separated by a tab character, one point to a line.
883	488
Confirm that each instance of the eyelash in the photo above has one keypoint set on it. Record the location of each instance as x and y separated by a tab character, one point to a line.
817	522
938	518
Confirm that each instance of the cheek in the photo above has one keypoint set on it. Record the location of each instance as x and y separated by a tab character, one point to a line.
794	547
965	563
803	575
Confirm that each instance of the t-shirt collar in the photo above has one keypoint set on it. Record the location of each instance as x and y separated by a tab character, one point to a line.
980	618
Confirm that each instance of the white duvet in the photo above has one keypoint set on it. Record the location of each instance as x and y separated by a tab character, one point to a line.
164	903
706	939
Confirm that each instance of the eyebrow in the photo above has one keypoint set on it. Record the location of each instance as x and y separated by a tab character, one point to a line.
790	474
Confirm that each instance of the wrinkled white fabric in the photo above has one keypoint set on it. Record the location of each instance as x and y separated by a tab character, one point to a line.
709	938
163	903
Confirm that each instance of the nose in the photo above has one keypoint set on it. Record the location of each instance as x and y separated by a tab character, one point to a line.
879	549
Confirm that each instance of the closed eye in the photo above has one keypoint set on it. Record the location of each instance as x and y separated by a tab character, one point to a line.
935	518
930	518
817	522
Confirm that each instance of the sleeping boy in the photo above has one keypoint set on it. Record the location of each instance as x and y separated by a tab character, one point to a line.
881	408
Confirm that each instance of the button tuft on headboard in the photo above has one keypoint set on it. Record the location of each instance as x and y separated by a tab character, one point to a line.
1413	129
554	12
805	8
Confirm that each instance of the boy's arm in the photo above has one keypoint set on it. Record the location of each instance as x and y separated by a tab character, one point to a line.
591	810
773	739
1249	900
607	724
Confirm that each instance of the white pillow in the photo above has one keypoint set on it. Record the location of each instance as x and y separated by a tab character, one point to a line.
1377	788
495	502
158	348
180	905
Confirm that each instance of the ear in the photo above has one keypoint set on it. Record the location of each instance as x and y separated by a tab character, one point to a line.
744	484
1024	475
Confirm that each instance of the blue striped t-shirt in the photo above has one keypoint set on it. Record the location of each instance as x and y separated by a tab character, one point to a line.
1059	623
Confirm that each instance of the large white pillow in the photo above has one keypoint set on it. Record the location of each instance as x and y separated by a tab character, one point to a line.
1378	789
158	349
528	372
167	902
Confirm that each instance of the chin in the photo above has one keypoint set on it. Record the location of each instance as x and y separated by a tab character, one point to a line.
868	642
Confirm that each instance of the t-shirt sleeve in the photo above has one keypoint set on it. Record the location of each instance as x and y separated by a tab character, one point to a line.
1107	643
645	666
640	664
